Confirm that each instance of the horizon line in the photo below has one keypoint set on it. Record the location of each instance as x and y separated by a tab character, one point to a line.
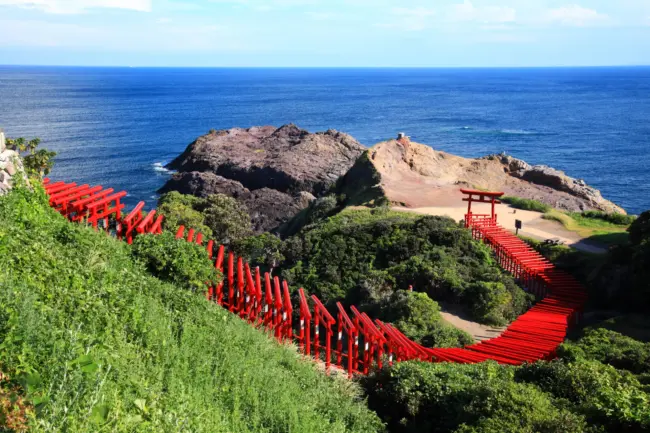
327	67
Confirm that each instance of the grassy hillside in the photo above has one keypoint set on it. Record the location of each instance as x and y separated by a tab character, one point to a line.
98	344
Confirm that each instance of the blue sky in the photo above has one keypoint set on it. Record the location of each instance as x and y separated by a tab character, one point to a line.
439	33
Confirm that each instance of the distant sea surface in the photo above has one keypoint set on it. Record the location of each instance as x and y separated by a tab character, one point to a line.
118	126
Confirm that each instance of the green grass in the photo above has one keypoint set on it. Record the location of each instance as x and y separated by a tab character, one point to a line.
100	345
526	204
593	229
596	219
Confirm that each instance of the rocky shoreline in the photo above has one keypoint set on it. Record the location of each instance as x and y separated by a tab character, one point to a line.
277	172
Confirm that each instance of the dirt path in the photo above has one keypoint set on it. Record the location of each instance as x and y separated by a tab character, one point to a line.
478	331
534	225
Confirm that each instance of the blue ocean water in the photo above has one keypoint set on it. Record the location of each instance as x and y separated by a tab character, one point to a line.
115	126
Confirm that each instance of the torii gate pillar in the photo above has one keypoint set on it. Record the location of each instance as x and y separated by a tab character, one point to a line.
474	196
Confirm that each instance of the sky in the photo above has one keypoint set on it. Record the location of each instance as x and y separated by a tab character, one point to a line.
330	33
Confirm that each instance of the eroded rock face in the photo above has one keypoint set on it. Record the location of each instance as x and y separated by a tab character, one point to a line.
287	159
546	176
416	175
275	172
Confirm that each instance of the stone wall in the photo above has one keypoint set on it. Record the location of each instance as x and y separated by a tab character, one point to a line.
10	165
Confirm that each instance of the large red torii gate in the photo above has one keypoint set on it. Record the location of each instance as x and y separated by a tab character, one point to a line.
475	196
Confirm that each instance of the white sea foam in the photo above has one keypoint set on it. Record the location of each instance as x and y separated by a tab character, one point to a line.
517	132
159	167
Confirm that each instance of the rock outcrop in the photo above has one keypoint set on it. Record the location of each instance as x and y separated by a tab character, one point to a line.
416	175
11	165
275	172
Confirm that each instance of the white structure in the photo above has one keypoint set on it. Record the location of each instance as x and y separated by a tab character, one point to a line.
2	140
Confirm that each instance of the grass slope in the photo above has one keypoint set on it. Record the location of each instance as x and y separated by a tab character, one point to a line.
100	345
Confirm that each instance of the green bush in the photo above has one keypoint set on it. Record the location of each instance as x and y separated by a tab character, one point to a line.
263	250
640	229
101	345
180	210
418	317
609	347
612	218
363	256
606	396
219	217
526	204
176	260
444	397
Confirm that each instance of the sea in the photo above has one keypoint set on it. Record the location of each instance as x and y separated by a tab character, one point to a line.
118	127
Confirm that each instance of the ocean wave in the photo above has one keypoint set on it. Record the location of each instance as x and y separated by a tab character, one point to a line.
517	132
159	167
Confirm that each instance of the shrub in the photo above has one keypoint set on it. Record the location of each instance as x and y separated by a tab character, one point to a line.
263	250
609	347
363	256
176	260
526	204
444	397
179	210
640	229
227	218
491	301
606	396
418	317
612	218
218	217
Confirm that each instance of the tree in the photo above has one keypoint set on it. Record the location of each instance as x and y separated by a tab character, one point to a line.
37	163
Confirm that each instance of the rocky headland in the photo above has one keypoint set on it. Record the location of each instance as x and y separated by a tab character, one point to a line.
415	175
277	172
274	172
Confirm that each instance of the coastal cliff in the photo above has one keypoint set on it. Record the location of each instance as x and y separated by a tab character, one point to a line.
416	175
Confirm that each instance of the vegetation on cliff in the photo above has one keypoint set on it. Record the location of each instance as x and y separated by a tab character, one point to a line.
218	216
363	256
99	344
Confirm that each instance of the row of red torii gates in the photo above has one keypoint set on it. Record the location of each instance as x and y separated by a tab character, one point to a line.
347	337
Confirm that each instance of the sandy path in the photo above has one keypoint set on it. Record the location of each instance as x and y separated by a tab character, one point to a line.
534	225
478	331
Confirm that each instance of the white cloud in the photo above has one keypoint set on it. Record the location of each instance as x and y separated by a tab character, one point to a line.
78	6
133	37
414	12
409	19
322	16
486	14
574	15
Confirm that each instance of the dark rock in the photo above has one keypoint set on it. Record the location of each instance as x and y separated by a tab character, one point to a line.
287	159
274	172
202	184
269	208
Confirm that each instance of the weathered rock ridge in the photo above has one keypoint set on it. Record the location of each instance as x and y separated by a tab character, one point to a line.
275	172
416	175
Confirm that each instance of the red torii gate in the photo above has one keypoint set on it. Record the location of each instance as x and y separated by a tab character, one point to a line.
474	196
